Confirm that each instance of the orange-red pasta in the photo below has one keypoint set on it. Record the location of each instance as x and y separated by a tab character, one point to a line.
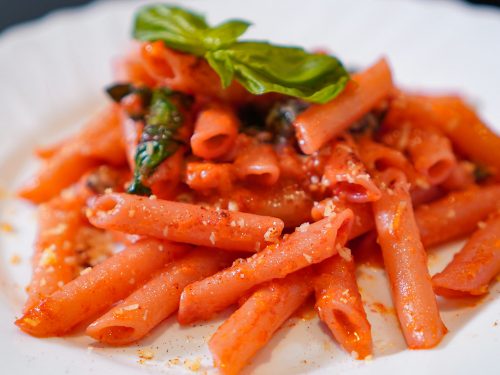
320	123
406	263
362	214
201	176
99	141
461	177
257	163
339	305
183	222
187	73
431	154
473	267
250	327
47	151
309	244
378	157
55	262
457	214
97	289
215	132
157	299
465	129
346	175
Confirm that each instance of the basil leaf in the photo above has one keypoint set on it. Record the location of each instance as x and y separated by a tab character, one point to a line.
157	141
261	67
225	34
184	30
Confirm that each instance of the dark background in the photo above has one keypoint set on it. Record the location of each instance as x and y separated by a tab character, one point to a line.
16	11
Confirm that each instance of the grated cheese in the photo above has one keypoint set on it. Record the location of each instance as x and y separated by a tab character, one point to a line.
135	306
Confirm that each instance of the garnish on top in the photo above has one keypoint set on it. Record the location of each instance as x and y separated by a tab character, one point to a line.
260	67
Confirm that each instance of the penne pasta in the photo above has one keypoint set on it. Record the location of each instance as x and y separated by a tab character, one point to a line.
158	298
309	244
206	176
100	141
215	132
362	214
339	305
465	129
473	267
461	177
257	164
406	263
431	155
346	175
183	222
317	125
97	289
457	214
250	327
209	165
54	262
187	73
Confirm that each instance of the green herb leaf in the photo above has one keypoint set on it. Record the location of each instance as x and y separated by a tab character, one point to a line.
262	67
184	30
259	66
158	141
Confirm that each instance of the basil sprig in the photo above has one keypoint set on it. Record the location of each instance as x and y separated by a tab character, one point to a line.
162	119
260	67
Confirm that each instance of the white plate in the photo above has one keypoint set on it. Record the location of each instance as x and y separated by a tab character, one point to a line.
51	77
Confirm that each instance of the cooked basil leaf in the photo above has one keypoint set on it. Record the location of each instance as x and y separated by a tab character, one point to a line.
157	141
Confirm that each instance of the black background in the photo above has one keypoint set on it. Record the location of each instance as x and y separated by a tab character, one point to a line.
16	11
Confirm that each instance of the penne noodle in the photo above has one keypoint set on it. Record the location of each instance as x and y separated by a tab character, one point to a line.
157	299
131	68
461	177
205	176
406	263
54	262
183	222
309	244
215	132
320	123
257	164
97	289
473	267
465	129
131	135
431	155
362	214
48	151
187	73
100	141
346	175
456	215
339	305
378	157
250	327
